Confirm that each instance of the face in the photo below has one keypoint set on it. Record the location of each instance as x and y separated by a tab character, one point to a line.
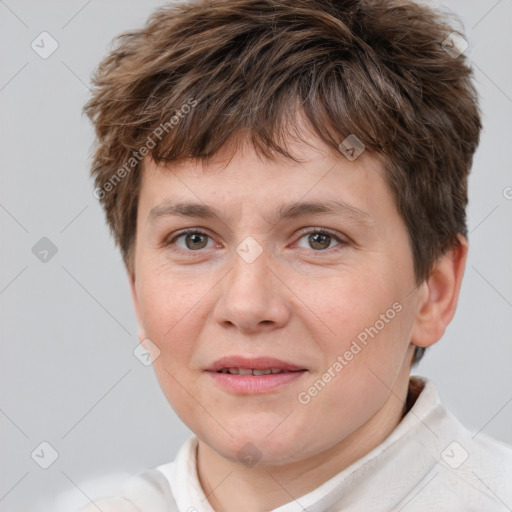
327	292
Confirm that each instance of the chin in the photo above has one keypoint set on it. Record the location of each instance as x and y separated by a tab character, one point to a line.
255	446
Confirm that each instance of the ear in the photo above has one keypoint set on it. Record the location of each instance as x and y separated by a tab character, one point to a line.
439	296
135	300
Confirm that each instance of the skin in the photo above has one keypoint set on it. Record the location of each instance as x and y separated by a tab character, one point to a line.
298	301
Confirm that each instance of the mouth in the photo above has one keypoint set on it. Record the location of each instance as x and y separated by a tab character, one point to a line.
244	376
254	371
241	365
254	382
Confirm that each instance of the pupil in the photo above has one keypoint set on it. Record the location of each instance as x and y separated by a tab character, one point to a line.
322	236
196	239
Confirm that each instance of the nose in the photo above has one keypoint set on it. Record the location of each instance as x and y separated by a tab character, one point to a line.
253	296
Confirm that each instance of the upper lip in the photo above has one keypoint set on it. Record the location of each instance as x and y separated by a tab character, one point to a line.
256	363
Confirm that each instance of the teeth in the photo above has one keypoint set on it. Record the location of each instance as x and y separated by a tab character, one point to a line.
249	371
261	372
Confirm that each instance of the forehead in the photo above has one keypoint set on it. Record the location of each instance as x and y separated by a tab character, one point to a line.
238	183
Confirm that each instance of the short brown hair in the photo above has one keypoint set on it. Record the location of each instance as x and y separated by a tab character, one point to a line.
376	69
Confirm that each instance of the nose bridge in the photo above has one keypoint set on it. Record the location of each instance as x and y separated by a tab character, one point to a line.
251	269
251	295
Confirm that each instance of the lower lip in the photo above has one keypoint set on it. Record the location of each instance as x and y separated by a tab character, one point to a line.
253	384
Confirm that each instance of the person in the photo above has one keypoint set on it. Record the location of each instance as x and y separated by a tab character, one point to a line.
287	183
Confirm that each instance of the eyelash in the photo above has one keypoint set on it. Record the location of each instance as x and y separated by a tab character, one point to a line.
322	231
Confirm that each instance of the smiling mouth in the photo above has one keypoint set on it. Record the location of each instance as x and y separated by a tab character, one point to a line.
253	371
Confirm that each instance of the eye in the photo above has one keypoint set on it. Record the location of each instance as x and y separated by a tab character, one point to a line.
320	239
193	240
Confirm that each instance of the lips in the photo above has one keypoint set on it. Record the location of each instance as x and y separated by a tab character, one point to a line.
243	376
252	371
238	365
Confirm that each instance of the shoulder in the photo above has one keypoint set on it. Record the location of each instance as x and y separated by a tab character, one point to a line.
491	464
472	475
468	470
478	467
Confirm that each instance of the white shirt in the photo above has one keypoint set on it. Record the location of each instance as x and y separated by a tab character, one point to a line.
429	463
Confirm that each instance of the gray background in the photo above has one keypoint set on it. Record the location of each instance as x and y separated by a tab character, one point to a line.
68	374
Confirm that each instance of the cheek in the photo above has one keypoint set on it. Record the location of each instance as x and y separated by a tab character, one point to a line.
356	306
371	336
170	311
362	359
170	315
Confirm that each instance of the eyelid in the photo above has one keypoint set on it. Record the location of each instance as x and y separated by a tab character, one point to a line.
342	240
325	231
171	239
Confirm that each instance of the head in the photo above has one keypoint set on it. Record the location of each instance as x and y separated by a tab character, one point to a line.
245	107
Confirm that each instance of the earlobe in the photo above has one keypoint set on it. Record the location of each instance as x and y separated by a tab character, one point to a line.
440	296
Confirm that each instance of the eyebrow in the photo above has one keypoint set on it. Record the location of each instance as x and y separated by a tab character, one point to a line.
287	211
